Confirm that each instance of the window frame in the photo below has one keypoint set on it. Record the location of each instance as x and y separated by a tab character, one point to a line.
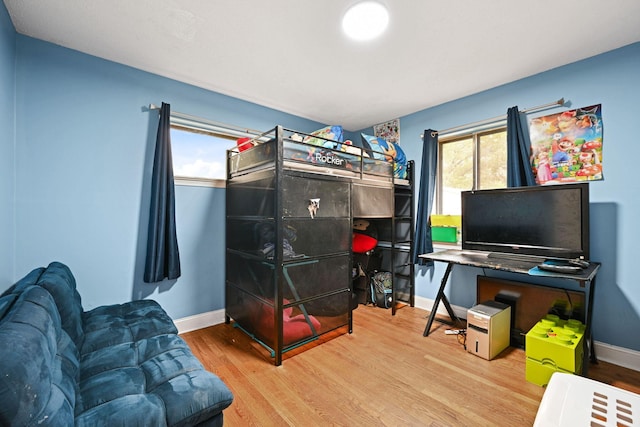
475	134
193	124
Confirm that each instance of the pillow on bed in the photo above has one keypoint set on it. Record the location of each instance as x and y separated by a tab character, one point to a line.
400	164
376	145
333	133
383	150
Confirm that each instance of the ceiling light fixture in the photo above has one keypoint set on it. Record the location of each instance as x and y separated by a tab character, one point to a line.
365	20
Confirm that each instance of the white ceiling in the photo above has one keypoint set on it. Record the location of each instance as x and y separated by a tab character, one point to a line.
291	55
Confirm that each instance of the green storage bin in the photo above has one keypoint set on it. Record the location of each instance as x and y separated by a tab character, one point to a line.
444	234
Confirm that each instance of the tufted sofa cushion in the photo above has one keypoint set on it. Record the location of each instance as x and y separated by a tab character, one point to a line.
105	325
59	281
155	371
133	321
28	280
39	369
121	364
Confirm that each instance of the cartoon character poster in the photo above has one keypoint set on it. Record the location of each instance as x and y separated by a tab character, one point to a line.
389	131
567	147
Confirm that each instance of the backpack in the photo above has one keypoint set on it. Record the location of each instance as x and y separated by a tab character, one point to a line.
381	289
364	266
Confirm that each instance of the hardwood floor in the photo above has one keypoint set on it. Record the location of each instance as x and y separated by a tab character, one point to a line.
384	373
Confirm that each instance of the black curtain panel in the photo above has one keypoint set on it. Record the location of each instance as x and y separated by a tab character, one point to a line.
424	242
519	172
163	259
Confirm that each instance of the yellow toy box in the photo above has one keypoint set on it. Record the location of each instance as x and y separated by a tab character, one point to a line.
553	345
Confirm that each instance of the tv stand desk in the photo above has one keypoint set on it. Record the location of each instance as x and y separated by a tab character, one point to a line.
514	264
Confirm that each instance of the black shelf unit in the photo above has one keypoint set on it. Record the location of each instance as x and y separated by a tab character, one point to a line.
289	236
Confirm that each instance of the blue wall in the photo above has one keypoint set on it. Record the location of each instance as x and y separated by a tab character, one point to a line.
84	157
7	142
82	151
610	79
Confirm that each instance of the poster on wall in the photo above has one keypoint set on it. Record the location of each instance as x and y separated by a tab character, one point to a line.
567	147
389	131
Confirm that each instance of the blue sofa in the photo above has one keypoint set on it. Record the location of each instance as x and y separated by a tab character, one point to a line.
117	365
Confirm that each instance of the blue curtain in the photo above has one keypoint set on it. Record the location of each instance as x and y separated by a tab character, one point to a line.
519	172
424	243
163	259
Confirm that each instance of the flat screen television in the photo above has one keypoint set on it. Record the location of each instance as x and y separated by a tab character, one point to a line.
545	221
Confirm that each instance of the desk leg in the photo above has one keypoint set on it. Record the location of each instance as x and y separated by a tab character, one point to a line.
440	297
590	350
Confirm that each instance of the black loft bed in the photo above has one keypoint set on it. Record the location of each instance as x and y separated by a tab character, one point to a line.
290	207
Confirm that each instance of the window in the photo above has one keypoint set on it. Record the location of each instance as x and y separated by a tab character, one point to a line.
198	154
471	161
199	150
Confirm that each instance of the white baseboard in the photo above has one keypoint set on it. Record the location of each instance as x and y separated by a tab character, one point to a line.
606	352
427	304
618	355
199	321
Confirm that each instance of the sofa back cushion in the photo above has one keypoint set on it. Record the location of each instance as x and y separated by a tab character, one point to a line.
24	283
6	302
39	368
58	280
10	295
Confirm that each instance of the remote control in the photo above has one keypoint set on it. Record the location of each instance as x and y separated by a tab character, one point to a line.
569	269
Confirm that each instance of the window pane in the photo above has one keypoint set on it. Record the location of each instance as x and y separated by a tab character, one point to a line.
457	173
198	154
492	152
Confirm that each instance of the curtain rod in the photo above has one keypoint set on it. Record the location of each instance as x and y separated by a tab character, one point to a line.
184	116
498	118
